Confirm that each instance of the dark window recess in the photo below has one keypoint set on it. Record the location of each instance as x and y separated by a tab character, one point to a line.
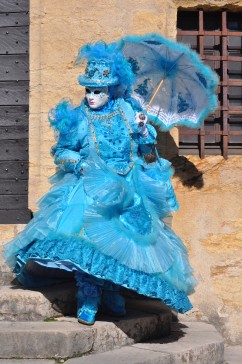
217	36
14	111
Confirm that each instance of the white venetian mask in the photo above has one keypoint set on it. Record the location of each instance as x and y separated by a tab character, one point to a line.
97	96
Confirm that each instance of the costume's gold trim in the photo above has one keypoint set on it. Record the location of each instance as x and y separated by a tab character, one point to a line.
63	161
105	117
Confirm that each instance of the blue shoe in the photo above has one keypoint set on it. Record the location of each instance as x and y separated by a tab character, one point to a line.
88	297
87	312
113	303
88	300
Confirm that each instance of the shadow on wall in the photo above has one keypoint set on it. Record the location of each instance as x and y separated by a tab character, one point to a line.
184	169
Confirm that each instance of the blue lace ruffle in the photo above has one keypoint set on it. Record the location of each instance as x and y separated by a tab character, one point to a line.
84	257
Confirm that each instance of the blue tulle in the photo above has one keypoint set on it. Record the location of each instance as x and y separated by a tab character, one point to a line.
108	223
84	256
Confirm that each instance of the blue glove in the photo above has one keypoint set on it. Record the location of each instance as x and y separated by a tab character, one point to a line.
67	160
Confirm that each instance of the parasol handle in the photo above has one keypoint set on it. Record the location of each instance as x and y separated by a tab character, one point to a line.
155	93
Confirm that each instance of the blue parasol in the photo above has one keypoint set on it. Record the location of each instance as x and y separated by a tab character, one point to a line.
172	83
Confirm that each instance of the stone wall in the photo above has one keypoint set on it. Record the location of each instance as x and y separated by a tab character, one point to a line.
209	191
58	29
209	222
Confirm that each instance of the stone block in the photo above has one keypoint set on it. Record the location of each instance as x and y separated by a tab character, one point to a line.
20	304
44	339
128	355
190	343
233	354
27	361
65	337
6	275
135	327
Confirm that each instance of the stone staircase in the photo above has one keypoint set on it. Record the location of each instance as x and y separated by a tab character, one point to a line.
41	325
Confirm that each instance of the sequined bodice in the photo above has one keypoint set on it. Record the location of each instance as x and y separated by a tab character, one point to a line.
111	135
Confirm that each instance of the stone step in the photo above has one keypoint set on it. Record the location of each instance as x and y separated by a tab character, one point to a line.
232	355
27	361
20	304
64	337
6	278
188	343
6	274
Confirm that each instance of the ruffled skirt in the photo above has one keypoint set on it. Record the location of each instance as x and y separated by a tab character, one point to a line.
110	226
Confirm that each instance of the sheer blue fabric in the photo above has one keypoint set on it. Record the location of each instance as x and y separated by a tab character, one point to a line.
103	214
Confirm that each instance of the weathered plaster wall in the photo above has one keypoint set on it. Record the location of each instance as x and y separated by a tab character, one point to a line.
209	4
210	223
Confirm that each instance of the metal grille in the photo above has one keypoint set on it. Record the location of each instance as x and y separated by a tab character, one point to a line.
14	100
217	36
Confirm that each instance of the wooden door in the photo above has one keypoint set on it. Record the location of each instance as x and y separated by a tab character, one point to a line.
14	111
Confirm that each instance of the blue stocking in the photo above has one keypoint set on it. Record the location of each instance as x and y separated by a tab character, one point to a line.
88	297
113	302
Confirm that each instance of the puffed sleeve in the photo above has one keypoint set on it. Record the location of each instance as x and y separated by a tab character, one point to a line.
69	152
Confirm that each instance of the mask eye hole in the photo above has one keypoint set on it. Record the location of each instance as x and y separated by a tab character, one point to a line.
88	91
97	92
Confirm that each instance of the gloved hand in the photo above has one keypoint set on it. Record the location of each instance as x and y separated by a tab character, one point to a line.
141	120
67	165
79	167
67	160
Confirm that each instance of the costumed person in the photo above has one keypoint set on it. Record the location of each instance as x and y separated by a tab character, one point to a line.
102	218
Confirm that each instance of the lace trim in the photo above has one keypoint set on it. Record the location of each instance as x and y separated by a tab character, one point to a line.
91	261
117	111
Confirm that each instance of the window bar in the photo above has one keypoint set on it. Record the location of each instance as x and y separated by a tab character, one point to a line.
225	134
201	51
222	130
202	141
225	84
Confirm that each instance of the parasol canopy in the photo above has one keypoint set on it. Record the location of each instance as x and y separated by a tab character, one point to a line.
182	90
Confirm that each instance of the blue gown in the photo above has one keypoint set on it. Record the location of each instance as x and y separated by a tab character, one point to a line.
103	214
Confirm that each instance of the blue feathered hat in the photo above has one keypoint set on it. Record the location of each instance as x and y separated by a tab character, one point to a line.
106	66
98	73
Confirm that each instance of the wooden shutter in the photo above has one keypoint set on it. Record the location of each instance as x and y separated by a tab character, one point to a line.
14	111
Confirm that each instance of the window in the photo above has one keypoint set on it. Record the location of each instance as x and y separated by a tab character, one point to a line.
217	36
14	110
